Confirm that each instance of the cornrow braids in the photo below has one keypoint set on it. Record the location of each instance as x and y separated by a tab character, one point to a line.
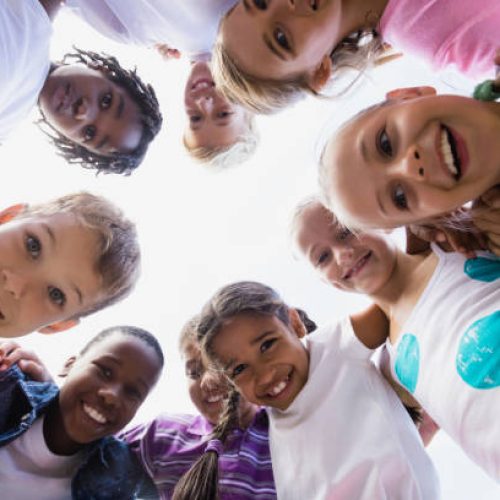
141	93
201	481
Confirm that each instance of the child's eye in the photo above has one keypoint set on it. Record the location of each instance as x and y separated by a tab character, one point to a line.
105	371
266	345
56	296
238	370
323	258
106	100
399	198
194	118
384	143
223	114
133	393
194	373
33	246
89	133
281	38
260	4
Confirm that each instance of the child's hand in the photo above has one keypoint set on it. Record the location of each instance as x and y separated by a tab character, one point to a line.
486	217
27	360
465	241
167	52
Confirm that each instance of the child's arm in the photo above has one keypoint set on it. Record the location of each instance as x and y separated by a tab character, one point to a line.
371	326
27	360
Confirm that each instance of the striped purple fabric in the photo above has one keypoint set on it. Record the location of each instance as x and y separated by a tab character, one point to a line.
168	446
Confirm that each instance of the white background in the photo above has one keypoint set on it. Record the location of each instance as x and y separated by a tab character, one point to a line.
201	229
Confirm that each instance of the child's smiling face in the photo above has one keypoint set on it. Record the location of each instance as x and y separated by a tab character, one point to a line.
207	388
104	388
263	357
279	39
47	272
85	106
362	262
412	159
214	122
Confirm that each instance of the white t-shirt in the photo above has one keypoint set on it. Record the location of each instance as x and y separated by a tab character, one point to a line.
25	31
29	470
187	25
346	436
448	353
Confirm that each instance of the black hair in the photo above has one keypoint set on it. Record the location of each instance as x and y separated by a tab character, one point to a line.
132	331
141	93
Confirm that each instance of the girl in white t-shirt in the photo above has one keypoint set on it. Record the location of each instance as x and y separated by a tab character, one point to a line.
337	430
444	312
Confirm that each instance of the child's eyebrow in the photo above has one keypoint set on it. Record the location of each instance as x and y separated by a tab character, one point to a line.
120	107
78	293
261	336
49	231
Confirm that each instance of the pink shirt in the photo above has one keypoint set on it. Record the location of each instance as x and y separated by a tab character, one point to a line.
464	33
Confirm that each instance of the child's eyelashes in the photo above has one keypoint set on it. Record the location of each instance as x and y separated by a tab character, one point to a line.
267	344
33	246
104	371
195	118
106	100
323	258
224	114
237	370
56	296
260	4
89	132
281	39
399	197
384	145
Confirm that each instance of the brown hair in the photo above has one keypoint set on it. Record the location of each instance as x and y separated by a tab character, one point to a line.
118	258
355	52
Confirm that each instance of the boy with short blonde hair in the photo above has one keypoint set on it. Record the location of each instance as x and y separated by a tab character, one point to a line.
62	260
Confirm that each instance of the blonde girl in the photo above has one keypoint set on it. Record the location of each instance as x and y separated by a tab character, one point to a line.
444	311
272	52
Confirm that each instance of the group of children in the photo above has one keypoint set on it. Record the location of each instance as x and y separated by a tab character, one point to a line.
286	409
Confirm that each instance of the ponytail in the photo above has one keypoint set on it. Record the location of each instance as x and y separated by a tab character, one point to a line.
201	481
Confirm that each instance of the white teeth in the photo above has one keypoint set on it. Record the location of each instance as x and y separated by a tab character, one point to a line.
278	388
447	154
215	399
202	85
94	414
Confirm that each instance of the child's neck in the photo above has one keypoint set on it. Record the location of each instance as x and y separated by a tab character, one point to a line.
408	280
54	433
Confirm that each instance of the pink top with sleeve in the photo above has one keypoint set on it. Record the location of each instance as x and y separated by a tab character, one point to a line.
463	33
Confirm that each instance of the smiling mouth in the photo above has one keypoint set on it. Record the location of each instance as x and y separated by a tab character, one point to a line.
449	153
354	270
202	84
94	414
215	399
278	389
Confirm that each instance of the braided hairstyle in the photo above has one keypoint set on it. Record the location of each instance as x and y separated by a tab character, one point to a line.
141	93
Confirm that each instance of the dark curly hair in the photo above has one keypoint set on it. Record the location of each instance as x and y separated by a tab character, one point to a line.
141	93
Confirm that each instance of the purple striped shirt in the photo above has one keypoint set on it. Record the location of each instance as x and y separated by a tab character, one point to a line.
170	444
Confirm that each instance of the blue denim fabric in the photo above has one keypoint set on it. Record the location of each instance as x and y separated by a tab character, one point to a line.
109	471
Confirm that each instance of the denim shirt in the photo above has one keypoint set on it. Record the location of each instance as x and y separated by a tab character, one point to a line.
108	470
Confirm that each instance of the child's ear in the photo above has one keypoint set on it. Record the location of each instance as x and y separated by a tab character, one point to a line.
67	366
408	93
297	326
321	74
12	212
60	326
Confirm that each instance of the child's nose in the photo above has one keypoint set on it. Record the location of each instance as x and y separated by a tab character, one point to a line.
83	109
110	394
205	103
412	165
301	7
14	283
343	255
211	381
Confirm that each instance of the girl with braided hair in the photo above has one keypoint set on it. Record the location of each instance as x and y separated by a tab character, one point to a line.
336	429
233	443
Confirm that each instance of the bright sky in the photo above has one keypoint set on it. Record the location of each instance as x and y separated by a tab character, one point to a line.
200	229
